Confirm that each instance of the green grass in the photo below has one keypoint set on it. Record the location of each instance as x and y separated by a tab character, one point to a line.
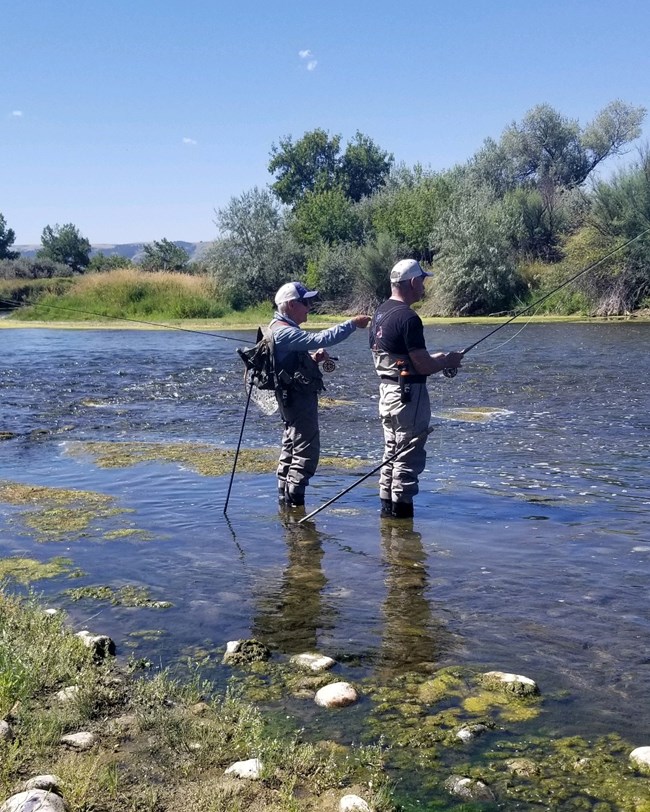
162	743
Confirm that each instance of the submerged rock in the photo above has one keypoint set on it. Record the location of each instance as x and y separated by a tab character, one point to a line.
469	732
523	766
511	683
313	662
640	758
33	800
242	652
251	769
353	803
469	789
336	695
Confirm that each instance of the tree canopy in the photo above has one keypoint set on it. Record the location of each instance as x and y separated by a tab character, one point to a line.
164	255
314	163
65	244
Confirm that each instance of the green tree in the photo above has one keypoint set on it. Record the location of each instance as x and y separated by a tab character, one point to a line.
409	207
477	273
314	164
363	168
255	252
164	255
548	149
326	216
101	262
7	239
66	245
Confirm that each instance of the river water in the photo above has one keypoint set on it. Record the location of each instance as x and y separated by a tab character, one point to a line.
529	552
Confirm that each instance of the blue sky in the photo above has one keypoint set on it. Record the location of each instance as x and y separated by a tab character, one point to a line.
135	119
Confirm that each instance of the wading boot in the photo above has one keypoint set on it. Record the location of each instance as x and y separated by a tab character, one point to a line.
386	508
294	499
403	510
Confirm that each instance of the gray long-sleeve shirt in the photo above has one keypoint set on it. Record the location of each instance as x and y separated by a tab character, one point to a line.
293	339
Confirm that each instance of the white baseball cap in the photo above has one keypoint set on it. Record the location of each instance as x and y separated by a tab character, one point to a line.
407	269
292	291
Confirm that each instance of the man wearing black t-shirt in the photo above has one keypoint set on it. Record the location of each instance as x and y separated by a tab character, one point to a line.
403	363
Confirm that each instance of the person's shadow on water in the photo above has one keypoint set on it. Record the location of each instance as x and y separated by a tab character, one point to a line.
291	612
413	638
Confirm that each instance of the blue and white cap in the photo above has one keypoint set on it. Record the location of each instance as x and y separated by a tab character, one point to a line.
293	290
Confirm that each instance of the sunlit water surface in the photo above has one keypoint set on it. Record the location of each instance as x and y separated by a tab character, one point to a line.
530	550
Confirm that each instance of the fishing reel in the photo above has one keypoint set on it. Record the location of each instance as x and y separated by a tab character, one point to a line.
329	365
451	372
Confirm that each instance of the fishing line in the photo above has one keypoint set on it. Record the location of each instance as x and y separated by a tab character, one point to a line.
451	373
122	318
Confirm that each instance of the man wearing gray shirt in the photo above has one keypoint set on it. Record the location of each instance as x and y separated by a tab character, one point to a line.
297	354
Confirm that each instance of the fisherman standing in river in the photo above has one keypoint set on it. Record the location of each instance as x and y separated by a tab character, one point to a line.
403	363
297	354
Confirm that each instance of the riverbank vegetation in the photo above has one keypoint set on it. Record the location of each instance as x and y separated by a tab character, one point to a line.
153	742
522	215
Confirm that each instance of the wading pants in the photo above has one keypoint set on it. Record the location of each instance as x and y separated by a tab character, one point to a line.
300	442
398	480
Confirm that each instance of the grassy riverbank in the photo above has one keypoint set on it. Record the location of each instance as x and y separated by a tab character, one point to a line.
129	298
160	744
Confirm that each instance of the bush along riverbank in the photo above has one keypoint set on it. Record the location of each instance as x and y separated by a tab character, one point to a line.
82	731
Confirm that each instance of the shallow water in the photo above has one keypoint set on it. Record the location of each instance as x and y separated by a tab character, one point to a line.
530	550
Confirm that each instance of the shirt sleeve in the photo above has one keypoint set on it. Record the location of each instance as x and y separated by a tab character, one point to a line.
414	333
293	339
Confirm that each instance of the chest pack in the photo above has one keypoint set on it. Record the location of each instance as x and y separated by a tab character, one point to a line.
260	361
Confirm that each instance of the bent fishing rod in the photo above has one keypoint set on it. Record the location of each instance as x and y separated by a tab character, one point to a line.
451	373
122	318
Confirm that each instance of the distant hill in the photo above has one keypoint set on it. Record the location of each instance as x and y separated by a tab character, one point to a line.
132	250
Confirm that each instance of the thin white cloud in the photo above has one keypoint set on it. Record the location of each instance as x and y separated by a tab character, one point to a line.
190	141
16	113
305	54
312	64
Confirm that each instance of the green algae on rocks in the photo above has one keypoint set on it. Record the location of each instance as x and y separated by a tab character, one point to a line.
205	459
131	596
27	570
58	513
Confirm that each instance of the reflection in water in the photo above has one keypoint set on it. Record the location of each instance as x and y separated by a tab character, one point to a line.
411	636
291	613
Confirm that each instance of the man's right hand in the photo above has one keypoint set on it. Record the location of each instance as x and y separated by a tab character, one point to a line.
361	320
453	359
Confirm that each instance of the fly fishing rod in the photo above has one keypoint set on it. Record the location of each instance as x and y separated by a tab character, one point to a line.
124	318
451	373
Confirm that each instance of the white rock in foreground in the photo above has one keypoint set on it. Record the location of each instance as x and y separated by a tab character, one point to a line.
50	783
101	644
5	730
34	799
79	741
353	803
314	662
514	683
251	768
640	758
336	695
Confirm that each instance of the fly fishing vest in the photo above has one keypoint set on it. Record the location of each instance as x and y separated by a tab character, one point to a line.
297	372
389	365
